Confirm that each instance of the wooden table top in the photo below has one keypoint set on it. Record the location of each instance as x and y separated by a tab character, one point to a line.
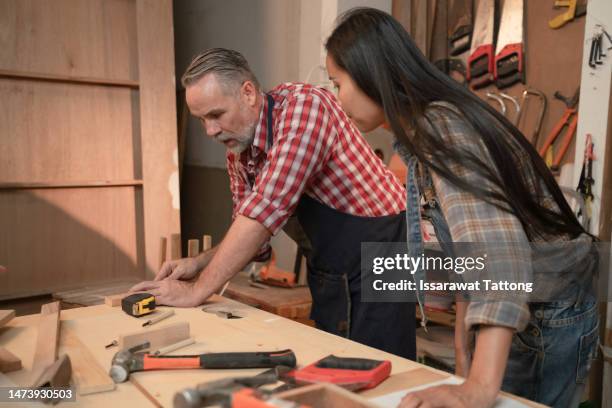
258	330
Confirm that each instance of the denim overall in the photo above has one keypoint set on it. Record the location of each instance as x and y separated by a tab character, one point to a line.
334	274
550	359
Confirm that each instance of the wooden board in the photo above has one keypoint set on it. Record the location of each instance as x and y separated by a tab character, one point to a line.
8	361
6	316
407	379
62	238
45	352
87	375
291	303
157	337
114	300
157	125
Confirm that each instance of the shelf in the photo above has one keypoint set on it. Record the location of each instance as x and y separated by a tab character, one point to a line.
66	79
69	184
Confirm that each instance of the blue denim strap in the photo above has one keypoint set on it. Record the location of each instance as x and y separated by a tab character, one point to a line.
413	226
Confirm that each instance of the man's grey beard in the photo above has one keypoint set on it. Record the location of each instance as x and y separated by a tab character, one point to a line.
244	139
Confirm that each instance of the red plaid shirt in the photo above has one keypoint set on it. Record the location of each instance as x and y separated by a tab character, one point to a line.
316	150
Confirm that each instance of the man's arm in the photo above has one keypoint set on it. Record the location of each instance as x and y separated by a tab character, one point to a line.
242	241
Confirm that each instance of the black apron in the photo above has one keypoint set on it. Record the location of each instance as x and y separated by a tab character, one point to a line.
333	251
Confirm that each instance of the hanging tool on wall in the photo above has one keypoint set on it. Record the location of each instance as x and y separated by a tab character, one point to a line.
535	135
480	61
585	184
453	67
575	9
498	99
597	54
509	66
459	26
569	120
133	359
514	102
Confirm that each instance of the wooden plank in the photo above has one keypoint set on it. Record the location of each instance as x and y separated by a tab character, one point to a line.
175	246
114	300
69	184
206	242
93	141
96	38
292	303
8	361
6	316
89	235
162	250
157	124
45	353
193	248
405	380
87	375
158	337
68	79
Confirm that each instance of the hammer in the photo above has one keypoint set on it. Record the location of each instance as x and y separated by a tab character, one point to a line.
132	360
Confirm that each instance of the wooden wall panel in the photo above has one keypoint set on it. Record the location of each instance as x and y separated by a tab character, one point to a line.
54	131
111	67
158	118
58	238
92	38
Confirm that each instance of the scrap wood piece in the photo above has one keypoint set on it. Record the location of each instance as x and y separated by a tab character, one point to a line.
87	374
57	375
405	380
157	338
45	353
114	300
6	316
8	361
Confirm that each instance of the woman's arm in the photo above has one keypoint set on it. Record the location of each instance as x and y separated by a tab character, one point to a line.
484	382
462	342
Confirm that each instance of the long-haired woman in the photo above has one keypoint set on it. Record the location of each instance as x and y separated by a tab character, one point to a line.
483	183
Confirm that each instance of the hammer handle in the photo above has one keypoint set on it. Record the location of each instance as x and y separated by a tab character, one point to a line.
264	359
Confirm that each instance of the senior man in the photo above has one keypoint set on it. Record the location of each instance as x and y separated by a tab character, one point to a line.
293	153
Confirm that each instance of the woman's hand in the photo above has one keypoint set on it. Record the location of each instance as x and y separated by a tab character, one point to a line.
467	395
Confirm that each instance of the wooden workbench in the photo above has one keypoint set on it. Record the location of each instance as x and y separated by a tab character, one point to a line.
257	330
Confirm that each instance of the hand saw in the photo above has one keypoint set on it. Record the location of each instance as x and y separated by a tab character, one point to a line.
480	61
459	26
509	62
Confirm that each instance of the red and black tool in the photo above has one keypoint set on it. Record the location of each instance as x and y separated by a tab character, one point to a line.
126	362
350	373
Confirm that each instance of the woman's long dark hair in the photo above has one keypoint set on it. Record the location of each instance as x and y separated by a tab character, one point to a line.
379	55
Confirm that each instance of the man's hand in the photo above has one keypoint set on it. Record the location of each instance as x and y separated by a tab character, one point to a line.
466	395
183	269
171	292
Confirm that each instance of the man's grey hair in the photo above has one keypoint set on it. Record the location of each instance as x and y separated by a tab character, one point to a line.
228	65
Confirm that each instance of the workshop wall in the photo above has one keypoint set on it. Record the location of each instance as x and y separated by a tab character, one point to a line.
266	33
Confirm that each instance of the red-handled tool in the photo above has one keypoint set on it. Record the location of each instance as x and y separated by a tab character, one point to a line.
351	373
126	362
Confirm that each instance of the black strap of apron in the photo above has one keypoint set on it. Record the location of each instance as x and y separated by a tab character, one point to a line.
269	138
